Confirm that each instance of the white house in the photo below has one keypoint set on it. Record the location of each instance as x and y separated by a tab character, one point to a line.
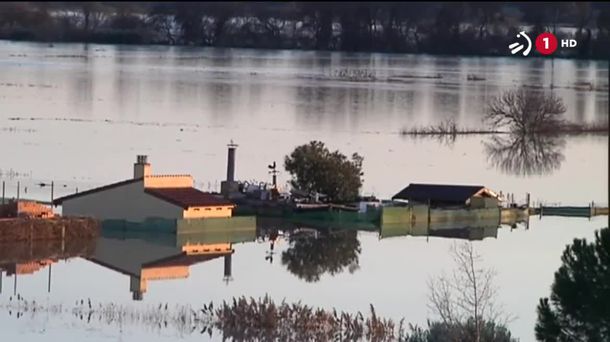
146	196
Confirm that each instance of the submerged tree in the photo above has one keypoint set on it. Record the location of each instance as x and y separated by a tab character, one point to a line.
526	111
308	256
315	169
579	309
465	300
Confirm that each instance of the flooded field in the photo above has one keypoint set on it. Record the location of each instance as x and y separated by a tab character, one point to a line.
78	114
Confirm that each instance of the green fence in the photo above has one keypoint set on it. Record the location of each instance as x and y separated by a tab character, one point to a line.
236	223
566	211
183	226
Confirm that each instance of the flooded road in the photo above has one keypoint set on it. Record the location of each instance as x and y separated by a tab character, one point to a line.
78	114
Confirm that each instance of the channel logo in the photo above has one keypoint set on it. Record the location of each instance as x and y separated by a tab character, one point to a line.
546	44
517	46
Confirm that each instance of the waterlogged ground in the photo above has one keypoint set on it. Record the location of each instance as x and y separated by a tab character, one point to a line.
389	273
78	115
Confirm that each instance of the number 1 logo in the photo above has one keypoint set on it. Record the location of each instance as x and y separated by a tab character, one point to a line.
546	43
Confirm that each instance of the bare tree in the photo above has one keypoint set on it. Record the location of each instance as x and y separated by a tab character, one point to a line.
468	294
525	111
525	154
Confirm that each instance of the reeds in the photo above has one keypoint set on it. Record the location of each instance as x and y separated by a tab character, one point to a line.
358	75
590	128
446	127
239	319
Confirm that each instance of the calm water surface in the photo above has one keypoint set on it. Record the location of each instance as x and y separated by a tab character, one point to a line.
78	115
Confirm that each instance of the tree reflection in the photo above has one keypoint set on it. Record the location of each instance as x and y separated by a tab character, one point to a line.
309	256
525	154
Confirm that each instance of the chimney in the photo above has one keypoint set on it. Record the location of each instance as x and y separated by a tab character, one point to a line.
231	162
228	274
141	168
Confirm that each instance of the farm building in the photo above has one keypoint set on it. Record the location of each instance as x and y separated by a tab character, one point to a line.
21	208
474	196
146	196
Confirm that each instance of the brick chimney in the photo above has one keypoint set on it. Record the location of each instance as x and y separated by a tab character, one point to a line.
141	168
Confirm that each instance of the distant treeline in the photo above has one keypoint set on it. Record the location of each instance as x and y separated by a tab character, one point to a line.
476	28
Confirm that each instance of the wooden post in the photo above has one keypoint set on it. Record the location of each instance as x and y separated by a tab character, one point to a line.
540	211
63	238
52	186
3	185
527	201
18	186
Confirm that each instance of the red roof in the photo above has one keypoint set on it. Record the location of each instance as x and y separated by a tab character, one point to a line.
187	197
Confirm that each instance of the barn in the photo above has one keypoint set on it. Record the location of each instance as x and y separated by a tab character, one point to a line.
438	195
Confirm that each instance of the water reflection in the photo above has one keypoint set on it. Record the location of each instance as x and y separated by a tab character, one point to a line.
27	258
313	253
525	154
485	229
146	257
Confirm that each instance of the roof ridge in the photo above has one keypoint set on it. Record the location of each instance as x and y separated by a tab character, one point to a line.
98	189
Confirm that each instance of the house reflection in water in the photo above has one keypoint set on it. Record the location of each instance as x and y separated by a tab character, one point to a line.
480	232
14	269
151	257
27	258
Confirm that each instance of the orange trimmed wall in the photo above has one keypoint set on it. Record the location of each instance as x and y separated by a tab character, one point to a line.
208	212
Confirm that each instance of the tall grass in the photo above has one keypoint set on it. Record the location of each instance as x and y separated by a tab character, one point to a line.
239	319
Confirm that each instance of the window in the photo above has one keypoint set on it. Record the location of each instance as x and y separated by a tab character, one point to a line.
219	208
208	208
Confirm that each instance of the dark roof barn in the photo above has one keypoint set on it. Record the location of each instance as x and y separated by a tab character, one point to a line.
435	193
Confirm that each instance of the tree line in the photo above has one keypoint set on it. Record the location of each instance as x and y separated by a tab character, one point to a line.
477	28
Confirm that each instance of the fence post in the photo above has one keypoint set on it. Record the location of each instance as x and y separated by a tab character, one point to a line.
3	192
18	186
52	188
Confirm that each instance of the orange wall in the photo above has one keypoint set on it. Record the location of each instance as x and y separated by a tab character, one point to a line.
206	248
208	212
168	181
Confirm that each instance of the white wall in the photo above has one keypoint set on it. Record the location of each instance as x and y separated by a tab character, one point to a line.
128	202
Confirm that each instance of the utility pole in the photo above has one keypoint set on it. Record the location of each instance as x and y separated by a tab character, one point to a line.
49	284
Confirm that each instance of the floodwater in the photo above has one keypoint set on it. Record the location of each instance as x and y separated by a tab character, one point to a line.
78	115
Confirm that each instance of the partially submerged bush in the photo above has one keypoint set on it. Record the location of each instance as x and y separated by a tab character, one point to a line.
526	111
